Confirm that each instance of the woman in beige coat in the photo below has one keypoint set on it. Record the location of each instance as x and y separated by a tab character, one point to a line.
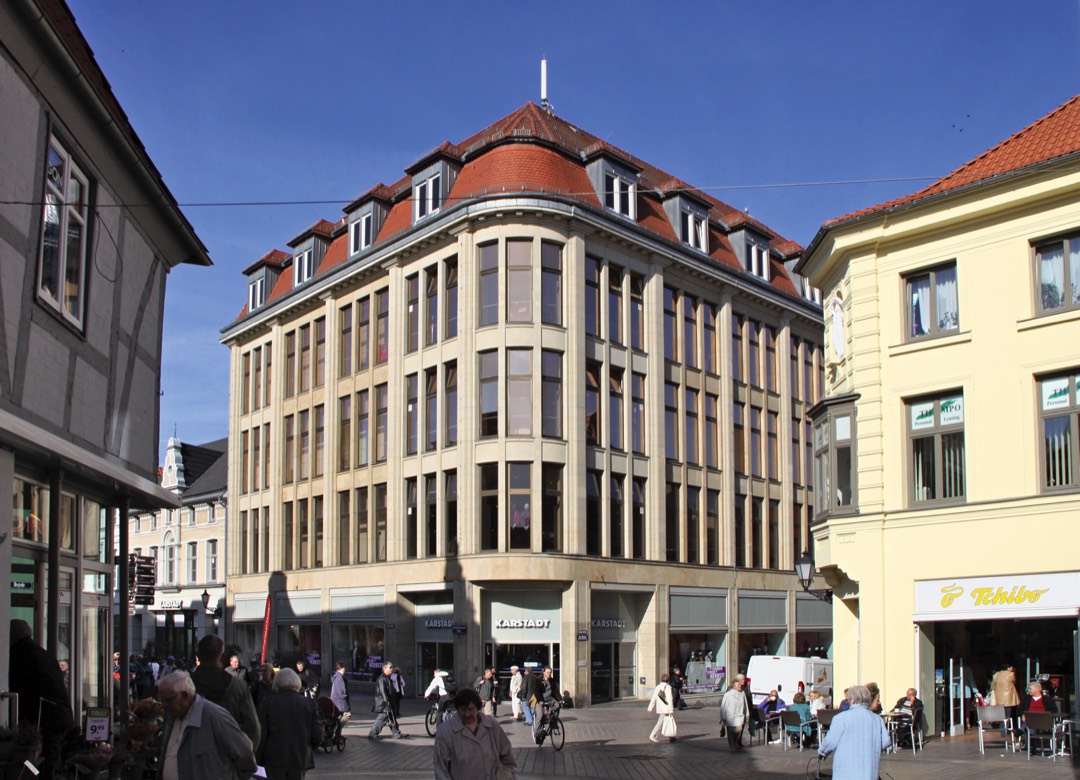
663	703
1003	687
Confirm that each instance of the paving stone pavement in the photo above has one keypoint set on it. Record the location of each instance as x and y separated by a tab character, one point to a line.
611	742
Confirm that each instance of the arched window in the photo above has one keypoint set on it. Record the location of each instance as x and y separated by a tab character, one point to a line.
171	551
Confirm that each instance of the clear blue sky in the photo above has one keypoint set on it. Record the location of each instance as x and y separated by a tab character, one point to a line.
246	101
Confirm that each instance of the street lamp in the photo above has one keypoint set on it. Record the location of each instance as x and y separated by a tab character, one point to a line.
804	570
205	599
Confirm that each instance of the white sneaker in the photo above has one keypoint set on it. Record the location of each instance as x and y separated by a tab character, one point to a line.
774	742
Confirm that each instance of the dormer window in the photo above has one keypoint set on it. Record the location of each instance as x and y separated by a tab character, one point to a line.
810	292
692	230
620	194
303	267
427	196
255	293
757	261
361	233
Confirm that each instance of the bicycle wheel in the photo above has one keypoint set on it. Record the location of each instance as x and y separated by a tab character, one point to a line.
328	745
340	744
431	722
558	734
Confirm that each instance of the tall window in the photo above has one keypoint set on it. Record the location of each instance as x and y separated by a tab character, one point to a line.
936	435
637	413
363	429
450	269
615	408
192	562
431	290
637	518
303	454
769	337
317	531
451	505
344	442
550	283
672	513
360	550
245	383
1059	413
320	352
933	307
712	524
738	450
62	266
712	432
305	358
289	452
381	433
344	530
412	413
256	457
520	479
737	347
753	356
256	293
755	441
489	506
772	445
592	296
795	395
268	351
671	421
303	267
693	524
290	364
593	511
451	410
519	280
637	312
345	346
363	334
431	409
592	403
551	521
690	331
320	440
1057	274
619	194
489	394
671	302
412	313
615	514
411	519
256	378
708	342
936	446
380	522
757	532
519	392
615	281
691	426
489	284
551	393
431	516
303	531
382	326
693	230
212	560
289	529
360	234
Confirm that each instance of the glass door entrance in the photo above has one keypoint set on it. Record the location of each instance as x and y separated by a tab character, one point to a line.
432	656
613	673
536	657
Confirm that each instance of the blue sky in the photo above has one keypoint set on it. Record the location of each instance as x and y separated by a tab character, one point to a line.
243	101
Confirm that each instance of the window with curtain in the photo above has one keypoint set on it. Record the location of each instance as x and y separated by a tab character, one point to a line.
1059	415
936	449
1057	270
933	305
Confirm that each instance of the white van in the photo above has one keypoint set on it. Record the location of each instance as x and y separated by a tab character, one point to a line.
788	674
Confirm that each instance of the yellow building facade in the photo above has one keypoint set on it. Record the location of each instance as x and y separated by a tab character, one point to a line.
946	446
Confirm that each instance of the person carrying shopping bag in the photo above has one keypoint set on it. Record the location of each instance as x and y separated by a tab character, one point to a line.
663	703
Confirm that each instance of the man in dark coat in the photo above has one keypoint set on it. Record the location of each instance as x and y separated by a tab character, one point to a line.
289	725
216	685
528	692
35	676
384	705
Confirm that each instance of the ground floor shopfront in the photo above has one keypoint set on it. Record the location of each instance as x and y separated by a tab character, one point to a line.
606	640
919	603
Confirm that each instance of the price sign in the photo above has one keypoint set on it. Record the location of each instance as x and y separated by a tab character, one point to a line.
97	724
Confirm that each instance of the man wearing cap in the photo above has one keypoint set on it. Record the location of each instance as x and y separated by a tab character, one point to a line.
168	667
515	689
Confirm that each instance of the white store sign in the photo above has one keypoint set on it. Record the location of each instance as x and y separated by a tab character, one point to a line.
1014	596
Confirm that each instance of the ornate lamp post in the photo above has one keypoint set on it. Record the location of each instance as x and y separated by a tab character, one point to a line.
804	570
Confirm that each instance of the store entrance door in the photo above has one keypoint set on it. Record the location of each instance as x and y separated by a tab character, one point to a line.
536	657
613	674
432	656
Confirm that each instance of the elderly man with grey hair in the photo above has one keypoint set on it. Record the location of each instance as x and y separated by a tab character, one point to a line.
857	736
201	739
289	726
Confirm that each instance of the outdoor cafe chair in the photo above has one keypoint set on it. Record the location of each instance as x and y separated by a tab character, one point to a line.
1041	726
992	720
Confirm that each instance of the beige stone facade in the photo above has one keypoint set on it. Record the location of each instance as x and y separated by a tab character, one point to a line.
541	477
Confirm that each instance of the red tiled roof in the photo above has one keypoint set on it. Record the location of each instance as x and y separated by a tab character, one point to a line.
524	168
274	258
320	228
1055	135
335	255
532	150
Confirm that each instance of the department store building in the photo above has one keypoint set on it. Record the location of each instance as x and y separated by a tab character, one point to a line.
538	402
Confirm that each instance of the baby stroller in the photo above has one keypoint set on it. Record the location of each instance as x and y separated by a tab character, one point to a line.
332	721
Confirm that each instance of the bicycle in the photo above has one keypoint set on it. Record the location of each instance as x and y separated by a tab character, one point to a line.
551	725
436	715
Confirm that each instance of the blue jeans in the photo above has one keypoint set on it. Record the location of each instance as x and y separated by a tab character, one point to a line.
530	714
383	719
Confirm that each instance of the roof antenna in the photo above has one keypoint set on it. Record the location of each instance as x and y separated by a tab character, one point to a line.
544	104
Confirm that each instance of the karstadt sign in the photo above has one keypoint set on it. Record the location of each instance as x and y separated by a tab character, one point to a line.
1012	596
